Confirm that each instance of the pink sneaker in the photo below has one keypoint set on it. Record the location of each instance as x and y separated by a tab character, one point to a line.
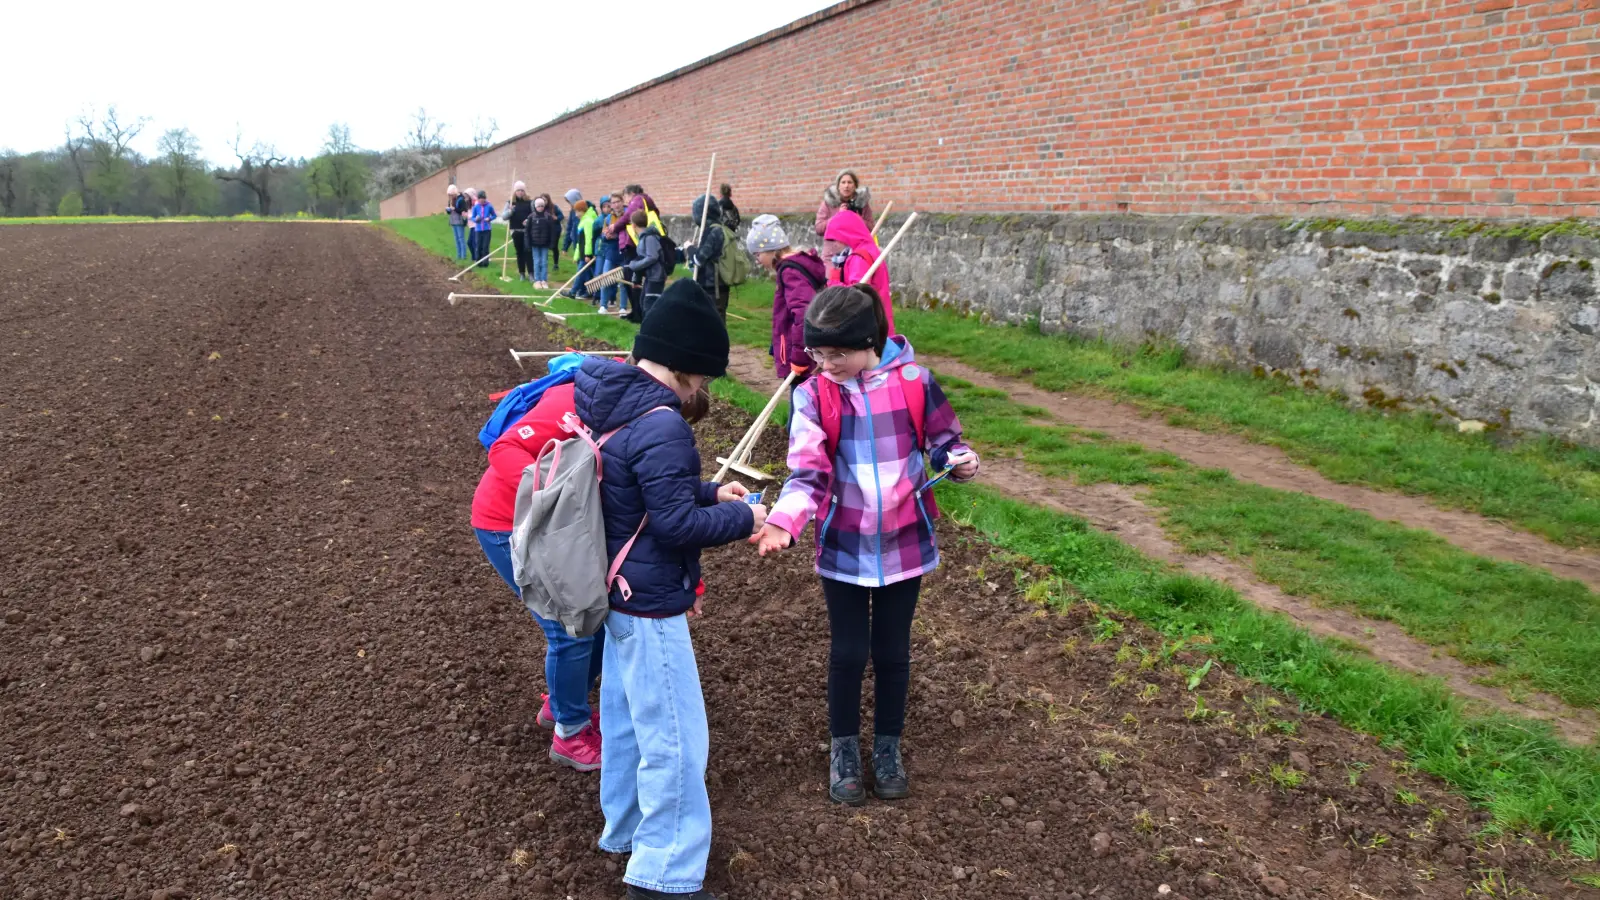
581	751
547	719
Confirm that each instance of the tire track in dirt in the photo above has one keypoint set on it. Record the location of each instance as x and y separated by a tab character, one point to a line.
1271	467
1119	511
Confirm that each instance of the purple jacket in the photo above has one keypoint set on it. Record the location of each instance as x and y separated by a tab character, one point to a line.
877	531
624	239
790	300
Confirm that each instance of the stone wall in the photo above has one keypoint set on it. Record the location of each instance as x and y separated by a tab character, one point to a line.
1501	326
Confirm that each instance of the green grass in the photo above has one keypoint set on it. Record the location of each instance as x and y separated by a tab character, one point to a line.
1550	488
119	220
1540	632
432	234
1518	770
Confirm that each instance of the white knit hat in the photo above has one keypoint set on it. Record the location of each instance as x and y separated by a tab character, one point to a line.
519	186
573	196
765	234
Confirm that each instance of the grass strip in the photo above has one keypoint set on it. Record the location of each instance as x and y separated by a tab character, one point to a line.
1541	631
1527	778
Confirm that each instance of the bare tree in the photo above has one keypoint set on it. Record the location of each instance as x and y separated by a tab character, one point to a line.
256	168
339	173
108	140
483	132
76	147
181	167
8	181
427	133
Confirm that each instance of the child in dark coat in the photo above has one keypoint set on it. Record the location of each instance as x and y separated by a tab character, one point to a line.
659	513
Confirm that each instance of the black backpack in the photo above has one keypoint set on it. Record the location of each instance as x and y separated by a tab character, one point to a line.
671	256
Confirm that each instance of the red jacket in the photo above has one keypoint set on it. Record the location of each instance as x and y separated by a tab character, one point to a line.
516	449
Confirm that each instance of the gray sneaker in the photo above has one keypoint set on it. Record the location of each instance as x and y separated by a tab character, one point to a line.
844	771
889	781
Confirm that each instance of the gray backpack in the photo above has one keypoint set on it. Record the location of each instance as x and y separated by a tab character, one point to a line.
558	534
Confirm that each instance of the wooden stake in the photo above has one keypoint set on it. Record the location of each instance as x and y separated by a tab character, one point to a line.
881	217
706	209
746	443
886	250
457	276
568	283
519	355
507	256
453	297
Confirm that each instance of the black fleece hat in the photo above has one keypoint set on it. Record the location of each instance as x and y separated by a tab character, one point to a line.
684	332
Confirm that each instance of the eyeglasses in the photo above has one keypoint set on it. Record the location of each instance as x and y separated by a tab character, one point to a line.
821	357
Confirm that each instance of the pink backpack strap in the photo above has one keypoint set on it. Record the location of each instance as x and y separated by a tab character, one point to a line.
614	574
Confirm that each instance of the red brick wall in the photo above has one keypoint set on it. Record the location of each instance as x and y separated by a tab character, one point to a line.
1483	108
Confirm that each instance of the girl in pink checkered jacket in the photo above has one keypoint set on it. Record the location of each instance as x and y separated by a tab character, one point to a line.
861	435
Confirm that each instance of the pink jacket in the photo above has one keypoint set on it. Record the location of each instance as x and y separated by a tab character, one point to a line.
850	231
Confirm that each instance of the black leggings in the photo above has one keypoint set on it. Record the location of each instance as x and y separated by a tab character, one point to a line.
879	627
524	254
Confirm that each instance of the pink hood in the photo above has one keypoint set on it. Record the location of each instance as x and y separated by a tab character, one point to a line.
848	228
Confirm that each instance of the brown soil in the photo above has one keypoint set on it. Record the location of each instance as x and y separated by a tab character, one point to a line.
1270	467
249	647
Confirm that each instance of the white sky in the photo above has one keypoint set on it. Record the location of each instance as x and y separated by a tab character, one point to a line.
285	71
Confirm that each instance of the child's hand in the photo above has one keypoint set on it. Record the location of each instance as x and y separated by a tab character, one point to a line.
771	540
966	466
731	491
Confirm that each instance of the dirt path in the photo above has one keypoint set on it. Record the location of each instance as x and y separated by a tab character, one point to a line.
1118	510
249	647
1270	467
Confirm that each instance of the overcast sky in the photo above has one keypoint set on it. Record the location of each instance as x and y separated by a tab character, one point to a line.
284	71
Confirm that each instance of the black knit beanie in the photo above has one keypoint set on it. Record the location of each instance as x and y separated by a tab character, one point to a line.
859	332
684	332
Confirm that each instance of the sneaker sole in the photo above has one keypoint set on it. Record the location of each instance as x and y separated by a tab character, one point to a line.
546	724
571	763
891	795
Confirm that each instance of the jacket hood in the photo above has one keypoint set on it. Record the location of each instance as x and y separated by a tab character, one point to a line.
810	261
713	217
608	394
848	228
831	196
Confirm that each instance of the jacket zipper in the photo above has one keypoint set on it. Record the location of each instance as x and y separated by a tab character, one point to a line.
877	481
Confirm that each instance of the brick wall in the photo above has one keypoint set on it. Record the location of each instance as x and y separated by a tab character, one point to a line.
1483	108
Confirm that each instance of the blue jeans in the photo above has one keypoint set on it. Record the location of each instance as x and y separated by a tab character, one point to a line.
541	264
483	249
653	772
608	294
571	664
461	240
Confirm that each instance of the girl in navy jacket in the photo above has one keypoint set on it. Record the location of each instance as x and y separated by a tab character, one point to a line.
658	515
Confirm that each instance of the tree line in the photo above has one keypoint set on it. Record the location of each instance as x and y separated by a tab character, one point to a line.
95	171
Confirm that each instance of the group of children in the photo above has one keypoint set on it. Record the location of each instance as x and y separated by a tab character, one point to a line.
866	424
